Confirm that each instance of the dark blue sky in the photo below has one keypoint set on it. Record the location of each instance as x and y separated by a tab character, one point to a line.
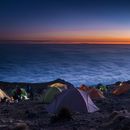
49	19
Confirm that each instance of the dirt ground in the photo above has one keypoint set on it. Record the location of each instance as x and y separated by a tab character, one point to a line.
32	115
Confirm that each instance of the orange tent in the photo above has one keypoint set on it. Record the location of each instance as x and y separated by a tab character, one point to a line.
93	92
84	87
96	94
121	89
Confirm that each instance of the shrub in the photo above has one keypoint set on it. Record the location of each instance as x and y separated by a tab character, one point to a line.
63	115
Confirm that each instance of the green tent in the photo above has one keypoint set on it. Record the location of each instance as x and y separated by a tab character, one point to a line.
23	94
50	94
103	88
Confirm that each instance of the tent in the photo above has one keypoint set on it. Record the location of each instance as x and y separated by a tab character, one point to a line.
121	89
73	99
96	94
22	95
50	94
84	87
54	90
59	85
102	88
93	92
3	95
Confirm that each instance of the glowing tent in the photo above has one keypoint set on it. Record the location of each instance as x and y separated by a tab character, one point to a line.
59	85
3	95
93	92
84	87
121	89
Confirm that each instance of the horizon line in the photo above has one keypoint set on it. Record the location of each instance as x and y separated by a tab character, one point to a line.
65	42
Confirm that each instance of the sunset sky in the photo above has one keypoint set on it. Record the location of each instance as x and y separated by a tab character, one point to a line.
66	21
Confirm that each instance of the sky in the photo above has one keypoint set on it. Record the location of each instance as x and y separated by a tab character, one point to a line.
66	21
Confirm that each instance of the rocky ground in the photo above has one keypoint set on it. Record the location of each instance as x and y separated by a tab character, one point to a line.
32	115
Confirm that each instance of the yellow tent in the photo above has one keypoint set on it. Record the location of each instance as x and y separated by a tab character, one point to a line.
3	95
59	85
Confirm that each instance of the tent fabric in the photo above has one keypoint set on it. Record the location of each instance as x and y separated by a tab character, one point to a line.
59	85
50	94
103	88
3	95
96	94
22	95
93	92
84	87
23	92
91	107
121	89
74	100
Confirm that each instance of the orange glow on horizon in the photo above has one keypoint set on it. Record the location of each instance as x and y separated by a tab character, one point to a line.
96	37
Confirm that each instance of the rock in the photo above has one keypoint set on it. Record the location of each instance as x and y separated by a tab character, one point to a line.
3	121
63	115
30	114
2	127
119	120
10	120
19	126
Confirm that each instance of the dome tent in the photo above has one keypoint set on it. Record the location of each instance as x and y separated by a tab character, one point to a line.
84	87
74	100
50	94
93	92
3	95
122	88
24	94
60	81
19	93
54	89
59	85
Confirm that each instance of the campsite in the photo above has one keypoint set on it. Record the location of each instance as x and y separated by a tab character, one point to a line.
64	64
59	105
